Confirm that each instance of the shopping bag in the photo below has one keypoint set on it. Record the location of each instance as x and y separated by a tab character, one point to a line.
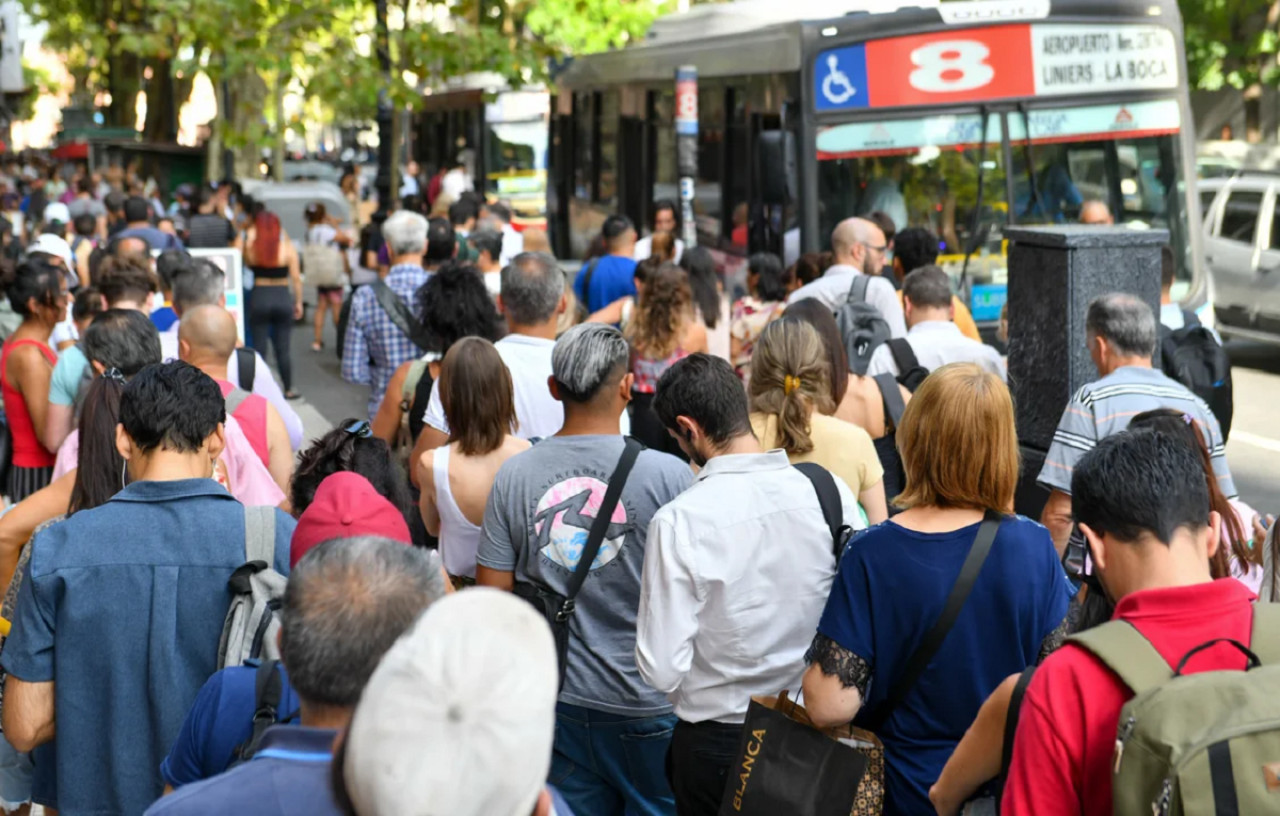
787	766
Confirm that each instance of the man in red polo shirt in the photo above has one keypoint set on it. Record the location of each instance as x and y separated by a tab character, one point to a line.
1142	502
207	339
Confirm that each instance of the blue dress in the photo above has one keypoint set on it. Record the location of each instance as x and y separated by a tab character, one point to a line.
891	587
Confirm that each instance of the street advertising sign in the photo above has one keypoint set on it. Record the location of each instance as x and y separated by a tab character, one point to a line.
230	261
687	146
1000	62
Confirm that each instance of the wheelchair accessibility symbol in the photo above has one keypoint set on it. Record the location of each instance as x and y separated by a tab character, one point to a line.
837	88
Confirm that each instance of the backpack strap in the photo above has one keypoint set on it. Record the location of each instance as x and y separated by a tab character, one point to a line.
1124	650
904	357
260	535
858	291
824	484
236	398
923	655
894	405
268	690
1011	718
1265	638
1190	318
600	525
246	368
399	313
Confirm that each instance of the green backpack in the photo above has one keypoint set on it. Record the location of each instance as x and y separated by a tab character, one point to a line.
1198	744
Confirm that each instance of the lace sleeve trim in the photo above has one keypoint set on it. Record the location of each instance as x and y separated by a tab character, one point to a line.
837	661
1054	640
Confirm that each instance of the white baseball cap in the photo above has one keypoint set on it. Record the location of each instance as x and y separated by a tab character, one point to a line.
57	211
459	716
48	244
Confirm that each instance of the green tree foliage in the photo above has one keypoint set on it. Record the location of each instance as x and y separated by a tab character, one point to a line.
1233	44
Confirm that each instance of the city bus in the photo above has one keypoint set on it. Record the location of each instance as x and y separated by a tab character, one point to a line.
963	117
500	133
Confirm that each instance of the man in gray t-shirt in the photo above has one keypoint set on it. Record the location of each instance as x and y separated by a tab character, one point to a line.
612	730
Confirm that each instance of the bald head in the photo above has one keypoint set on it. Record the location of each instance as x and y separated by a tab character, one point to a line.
135	247
207	335
860	243
1096	213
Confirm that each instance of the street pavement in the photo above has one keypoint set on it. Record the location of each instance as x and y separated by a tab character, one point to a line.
1253	450
327	399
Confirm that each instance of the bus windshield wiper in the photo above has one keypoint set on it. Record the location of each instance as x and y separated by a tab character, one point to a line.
1035	203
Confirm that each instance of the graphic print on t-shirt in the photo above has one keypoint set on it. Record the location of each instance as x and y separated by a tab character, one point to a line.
563	519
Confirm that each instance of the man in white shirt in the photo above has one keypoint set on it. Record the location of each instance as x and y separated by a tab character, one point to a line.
933	338
664	220
859	248
512	240
488	247
736	574
457	181
532	300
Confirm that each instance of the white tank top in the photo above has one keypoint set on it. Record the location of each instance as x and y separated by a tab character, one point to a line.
459	538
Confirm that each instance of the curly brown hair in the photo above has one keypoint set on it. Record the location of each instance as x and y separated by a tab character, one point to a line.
662	312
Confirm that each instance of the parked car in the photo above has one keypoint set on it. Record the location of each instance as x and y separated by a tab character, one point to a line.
1242	253
289	200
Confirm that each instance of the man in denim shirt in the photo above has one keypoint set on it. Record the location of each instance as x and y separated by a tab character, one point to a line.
121	608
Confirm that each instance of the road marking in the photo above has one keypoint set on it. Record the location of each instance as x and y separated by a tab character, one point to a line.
1263	442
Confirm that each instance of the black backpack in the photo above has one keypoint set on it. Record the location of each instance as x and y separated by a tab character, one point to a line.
1194	357
895	477
861	325
910	372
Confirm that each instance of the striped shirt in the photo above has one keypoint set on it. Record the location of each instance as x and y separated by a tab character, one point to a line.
1106	407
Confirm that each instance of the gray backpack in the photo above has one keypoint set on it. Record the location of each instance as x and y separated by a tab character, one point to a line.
257	591
861	325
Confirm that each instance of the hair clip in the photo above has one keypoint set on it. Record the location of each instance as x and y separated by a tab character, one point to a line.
790	383
114	374
1187	418
361	429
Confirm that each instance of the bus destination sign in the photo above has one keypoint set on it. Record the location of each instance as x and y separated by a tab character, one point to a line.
1001	62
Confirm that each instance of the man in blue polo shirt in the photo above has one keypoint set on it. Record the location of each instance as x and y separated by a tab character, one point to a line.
347	602
612	276
121	607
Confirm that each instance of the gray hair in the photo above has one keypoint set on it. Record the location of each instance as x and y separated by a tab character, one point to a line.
201	284
405	233
585	359
1126	322
532	285
347	601
125	339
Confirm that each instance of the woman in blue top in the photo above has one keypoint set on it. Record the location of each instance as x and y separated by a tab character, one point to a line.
960	455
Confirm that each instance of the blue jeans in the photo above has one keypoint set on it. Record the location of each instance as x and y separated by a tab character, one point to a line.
610	765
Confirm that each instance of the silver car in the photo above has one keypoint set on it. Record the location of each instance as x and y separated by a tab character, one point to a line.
1242	253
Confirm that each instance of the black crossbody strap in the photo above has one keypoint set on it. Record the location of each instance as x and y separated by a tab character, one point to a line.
246	365
828	499
920	658
600	526
586	282
398	312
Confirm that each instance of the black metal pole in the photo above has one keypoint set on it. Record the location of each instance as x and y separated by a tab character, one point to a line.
383	179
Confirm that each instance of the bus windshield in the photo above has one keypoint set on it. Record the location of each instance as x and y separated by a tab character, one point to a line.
927	171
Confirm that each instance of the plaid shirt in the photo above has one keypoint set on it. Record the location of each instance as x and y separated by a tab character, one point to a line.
374	347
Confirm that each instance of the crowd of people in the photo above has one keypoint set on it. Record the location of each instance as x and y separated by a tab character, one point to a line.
586	520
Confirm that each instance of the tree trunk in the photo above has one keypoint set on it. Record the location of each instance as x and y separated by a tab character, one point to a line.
242	124
277	159
164	98
124	84
1253	114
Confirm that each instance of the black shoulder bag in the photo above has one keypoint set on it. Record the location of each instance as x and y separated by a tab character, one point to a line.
920	658
824	484
399	313
558	609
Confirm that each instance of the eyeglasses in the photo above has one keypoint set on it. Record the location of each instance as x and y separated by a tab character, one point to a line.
360	429
881	249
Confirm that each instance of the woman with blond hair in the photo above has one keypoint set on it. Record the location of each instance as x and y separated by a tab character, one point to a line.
479	402
960	453
791	401
662	330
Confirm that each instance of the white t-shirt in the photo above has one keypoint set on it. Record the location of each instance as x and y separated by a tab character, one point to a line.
529	360
493	282
644	248
512	244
